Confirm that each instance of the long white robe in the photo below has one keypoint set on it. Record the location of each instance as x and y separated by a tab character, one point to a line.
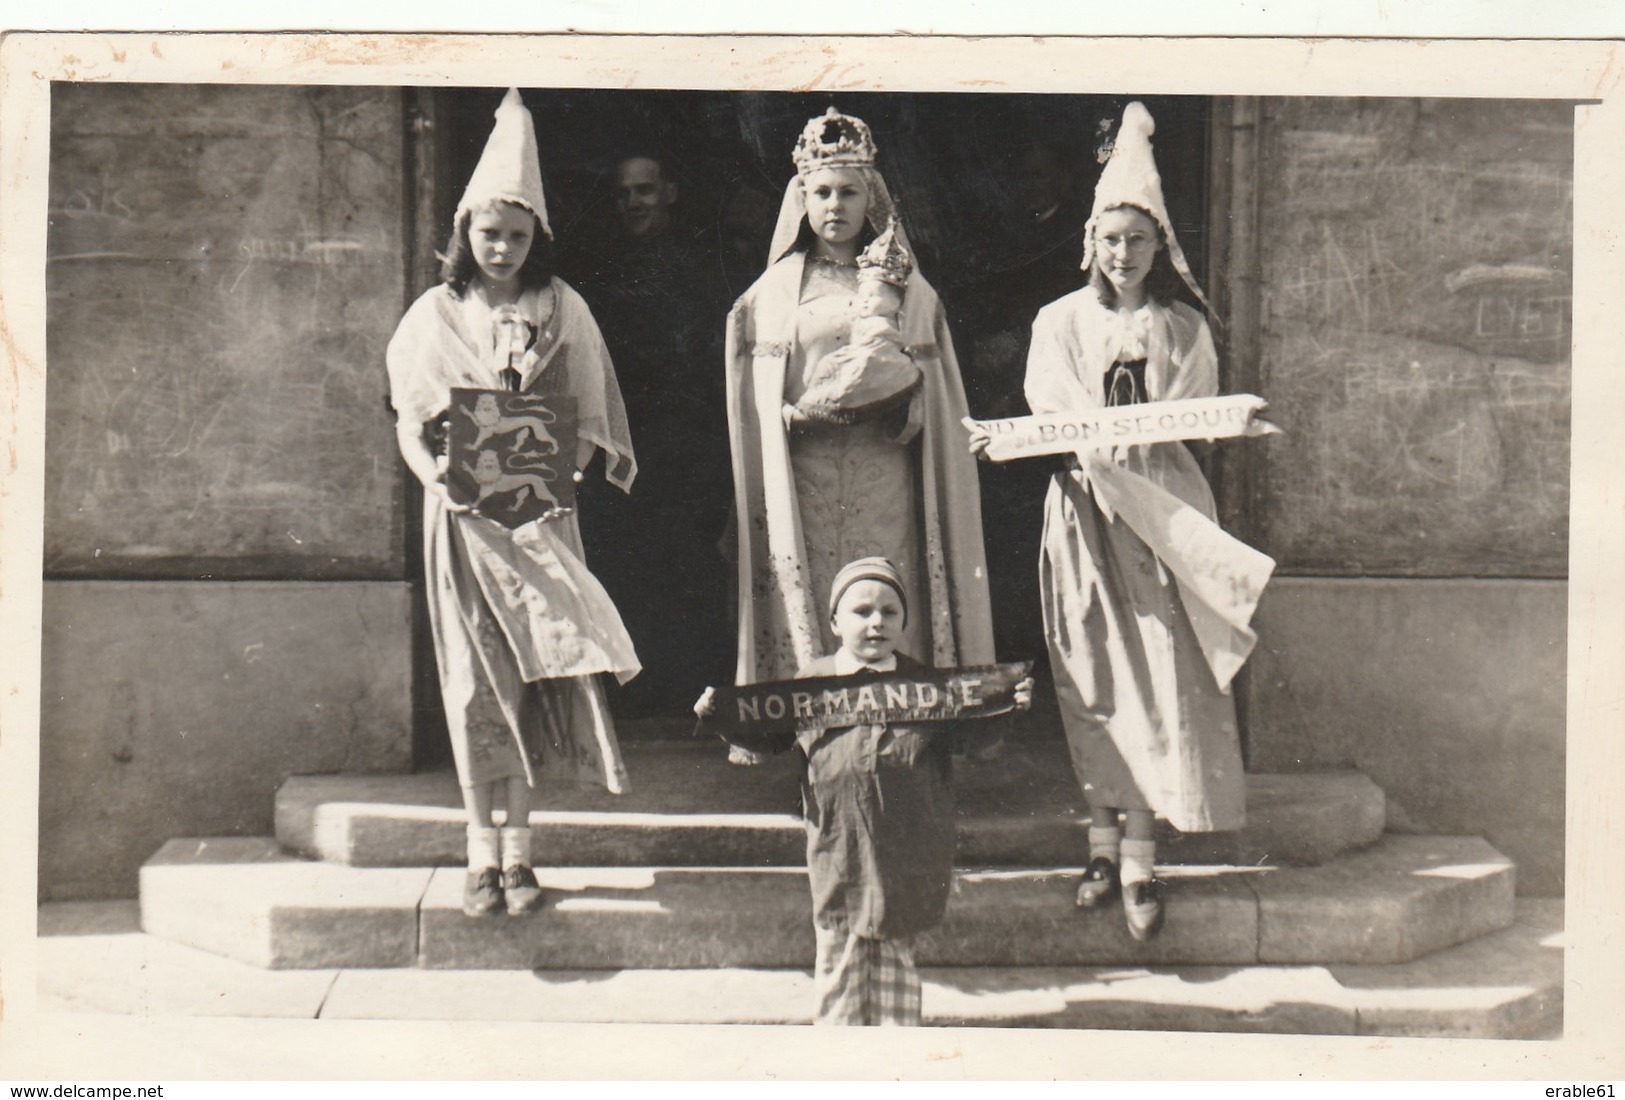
521	626
1146	600
781	612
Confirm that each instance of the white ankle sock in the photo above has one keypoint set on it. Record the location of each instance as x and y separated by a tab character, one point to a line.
516	846
1104	841
482	847
1138	857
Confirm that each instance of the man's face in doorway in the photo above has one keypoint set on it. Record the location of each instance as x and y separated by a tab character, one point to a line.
1041	179
643	197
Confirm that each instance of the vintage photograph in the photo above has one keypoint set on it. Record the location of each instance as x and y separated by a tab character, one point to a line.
1072	555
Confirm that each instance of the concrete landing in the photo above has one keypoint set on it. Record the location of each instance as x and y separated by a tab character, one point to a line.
1392	902
689	807
1509	984
246	899
93	957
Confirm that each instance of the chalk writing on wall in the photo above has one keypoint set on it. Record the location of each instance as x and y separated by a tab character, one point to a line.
1417	324
224	271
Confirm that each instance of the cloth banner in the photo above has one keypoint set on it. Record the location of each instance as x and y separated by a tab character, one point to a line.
1119	425
512	455
756	713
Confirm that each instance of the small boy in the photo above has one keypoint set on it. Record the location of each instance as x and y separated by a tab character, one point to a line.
879	807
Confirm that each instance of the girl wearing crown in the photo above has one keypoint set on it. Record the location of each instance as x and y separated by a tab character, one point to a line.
521	627
825	477
1142	663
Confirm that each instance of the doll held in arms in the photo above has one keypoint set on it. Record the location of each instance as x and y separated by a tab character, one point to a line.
873	372
878	802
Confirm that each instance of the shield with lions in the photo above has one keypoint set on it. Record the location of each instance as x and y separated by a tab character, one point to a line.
511	456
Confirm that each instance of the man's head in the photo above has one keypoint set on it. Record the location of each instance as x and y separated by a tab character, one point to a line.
643	196
1042	178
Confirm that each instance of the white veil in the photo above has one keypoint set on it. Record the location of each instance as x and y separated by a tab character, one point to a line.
793	213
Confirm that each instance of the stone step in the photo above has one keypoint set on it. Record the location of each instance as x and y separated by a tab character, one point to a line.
93	957
248	899
688	807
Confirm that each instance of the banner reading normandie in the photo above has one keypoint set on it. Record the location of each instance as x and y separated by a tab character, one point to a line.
1119	425
757	712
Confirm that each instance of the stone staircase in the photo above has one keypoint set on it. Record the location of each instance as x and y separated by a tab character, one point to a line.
686	901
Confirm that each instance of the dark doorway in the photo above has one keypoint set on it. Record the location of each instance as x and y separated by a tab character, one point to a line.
972	174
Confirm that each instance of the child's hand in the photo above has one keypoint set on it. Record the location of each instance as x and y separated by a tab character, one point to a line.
439	489
979	439
745	758
794	417
1023	692
706	704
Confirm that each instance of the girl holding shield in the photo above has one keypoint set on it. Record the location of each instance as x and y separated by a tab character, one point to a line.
521	627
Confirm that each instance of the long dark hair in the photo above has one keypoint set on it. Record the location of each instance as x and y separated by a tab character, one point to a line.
457	266
1162	282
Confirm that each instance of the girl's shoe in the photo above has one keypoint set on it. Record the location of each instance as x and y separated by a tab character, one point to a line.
1100	883
520	888
1142	905
482	893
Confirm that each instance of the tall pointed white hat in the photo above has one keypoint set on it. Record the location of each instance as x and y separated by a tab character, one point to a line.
1130	178
509	169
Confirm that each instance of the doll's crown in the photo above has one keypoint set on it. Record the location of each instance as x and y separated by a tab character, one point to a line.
886	258
834	140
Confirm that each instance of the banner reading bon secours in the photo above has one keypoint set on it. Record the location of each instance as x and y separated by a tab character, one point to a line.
1118	425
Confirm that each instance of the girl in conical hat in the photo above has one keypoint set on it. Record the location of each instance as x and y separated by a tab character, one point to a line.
521	627
1142	661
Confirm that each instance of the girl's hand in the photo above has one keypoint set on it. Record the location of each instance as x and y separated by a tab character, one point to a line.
1024	693
439	489
979	439
706	704
793	417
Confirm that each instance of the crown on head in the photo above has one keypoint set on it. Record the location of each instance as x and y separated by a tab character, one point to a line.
886	259
834	140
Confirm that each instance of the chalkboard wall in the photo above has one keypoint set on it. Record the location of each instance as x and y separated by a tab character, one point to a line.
1416	273
225	268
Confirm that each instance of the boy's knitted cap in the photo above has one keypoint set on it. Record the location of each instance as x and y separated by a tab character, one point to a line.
867	569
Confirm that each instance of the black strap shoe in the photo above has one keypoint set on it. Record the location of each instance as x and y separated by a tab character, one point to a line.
1100	883
520	888
482	894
